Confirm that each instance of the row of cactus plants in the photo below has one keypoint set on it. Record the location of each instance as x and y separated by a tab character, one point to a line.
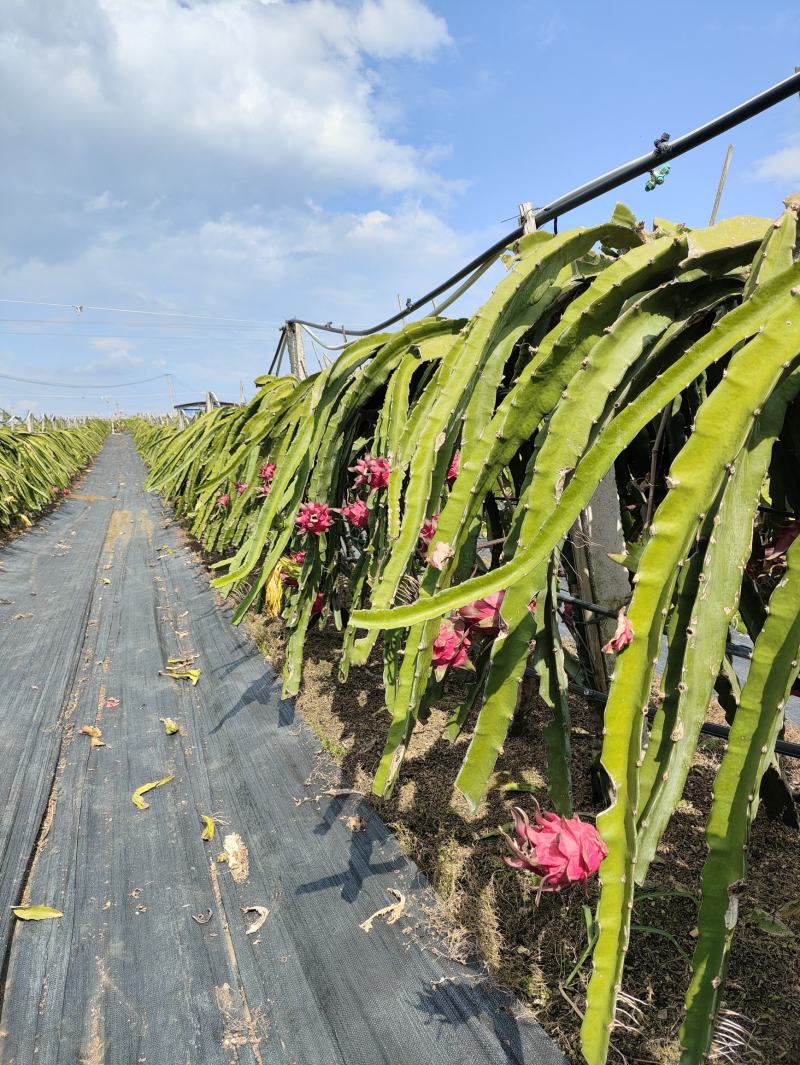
419	490
36	467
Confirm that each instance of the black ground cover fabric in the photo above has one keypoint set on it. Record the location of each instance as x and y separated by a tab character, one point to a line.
93	602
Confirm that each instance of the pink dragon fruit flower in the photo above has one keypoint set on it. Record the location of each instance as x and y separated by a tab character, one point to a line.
428	530
622	637
299	557
315	518
317	605
356	513
482	618
561	850
224	501
450	649
379	474
452	472
267	472
241	488
371	471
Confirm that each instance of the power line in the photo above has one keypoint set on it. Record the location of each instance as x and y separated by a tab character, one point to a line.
120	336
66	384
80	307
117	324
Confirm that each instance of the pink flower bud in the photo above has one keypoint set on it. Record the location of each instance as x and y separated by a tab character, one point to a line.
622	637
224	501
241	488
357	514
452	471
482	617
450	648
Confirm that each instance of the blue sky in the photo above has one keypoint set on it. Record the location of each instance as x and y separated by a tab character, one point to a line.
258	159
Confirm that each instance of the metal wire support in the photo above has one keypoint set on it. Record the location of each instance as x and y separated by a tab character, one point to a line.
662	152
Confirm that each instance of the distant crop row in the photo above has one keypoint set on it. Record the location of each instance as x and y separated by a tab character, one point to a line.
37	467
420	490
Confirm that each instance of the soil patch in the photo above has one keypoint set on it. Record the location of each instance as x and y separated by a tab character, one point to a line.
487	909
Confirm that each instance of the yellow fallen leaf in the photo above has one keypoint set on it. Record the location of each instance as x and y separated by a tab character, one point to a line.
26	521
105	580
35	913
210	829
170	726
137	799
91	730
189	674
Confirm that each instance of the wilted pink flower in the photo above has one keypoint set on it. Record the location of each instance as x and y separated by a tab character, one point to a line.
379	474
317	605
112	703
452	472
561	850
267	472
483	616
241	488
783	542
224	500
315	518
622	637
54	490
263	490
428	530
450	648
356	513
299	557
372	471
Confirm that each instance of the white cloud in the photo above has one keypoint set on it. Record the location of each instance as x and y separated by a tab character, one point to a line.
394	28
228	157
782	166
104	202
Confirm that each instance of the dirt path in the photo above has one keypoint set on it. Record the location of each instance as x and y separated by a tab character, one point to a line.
92	604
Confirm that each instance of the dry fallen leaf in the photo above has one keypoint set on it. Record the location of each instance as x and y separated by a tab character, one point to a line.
22	617
263	914
112	704
26	521
91	730
137	799
189	674
391	913
105	580
238	858
170	726
202	918
210	829
35	913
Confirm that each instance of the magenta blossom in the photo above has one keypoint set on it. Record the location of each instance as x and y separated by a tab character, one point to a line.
318	605
561	850
452	472
428	530
482	617
299	557
224	500
241	488
356	513
450	649
267	472
315	518
622	637
372	471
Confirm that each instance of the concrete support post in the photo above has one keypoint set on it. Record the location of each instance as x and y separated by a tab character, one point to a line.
297	353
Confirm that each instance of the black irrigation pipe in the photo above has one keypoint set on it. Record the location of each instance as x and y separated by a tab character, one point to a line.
709	728
663	151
